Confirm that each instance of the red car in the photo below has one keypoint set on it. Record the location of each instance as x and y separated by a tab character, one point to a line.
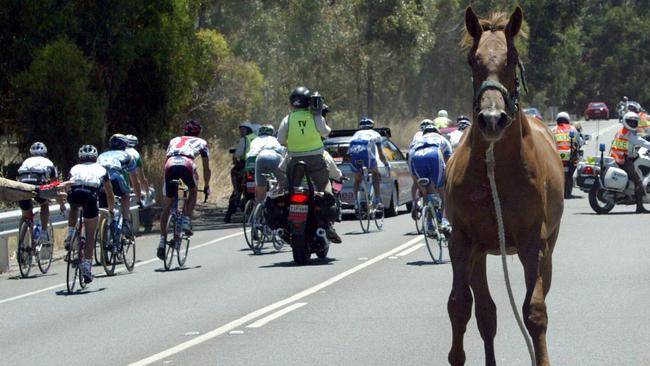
596	110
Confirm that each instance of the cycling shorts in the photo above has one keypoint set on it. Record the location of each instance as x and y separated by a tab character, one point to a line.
120	187
427	162
267	162
360	156
179	167
27	205
85	198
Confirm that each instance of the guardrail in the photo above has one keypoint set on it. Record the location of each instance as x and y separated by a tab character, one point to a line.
9	225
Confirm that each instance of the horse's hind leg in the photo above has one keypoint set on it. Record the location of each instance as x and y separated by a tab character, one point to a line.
486	311
459	305
537	266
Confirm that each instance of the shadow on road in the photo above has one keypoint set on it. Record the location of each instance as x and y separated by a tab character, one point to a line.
85	291
312	262
176	269
607	214
31	277
426	263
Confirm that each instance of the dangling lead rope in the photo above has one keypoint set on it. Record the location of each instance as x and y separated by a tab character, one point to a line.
489	160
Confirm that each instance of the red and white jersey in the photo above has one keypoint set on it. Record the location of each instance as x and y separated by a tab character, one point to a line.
189	146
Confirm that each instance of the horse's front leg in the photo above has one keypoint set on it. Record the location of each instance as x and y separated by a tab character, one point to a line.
486	311
459	305
537	267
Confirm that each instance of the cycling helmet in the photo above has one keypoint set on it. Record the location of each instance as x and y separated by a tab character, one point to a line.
38	149
191	127
442	113
87	153
266	130
366	123
625	98
132	140
631	121
118	142
563	117
424	123
463	122
431	128
299	97
247	124
633	108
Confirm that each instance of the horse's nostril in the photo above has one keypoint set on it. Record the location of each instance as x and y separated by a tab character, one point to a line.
481	121
503	120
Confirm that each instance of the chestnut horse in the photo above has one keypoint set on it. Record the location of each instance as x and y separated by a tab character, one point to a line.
529	177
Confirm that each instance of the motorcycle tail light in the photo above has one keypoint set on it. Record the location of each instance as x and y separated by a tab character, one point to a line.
588	170
250	177
299	198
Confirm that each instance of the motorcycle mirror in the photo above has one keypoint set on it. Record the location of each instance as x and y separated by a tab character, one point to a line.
601	147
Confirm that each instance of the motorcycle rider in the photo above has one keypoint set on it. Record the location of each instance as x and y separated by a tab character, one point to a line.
268	154
365	146
442	121
621	108
427	158
454	137
37	170
566	141
301	131
181	152
624	152
246	137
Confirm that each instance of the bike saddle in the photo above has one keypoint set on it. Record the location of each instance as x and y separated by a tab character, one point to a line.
424	182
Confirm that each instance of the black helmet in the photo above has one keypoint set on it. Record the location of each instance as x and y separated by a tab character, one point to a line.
299	97
118	142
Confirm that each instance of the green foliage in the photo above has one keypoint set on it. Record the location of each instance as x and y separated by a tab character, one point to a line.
57	103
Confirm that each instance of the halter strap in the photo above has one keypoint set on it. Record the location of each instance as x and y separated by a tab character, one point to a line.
512	100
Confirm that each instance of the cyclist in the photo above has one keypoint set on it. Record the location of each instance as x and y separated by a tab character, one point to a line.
181	152
365	146
246	137
118	163
454	137
37	170
139	180
427	159
442	121
267	154
86	178
418	134
301	131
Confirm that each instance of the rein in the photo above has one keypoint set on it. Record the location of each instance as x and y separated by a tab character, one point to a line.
512	100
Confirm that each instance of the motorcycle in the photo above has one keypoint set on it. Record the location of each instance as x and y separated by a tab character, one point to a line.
306	223
611	185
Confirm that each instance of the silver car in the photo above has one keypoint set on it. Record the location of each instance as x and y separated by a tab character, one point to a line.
395	189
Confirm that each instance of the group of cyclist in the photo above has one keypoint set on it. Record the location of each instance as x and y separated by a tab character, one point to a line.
92	183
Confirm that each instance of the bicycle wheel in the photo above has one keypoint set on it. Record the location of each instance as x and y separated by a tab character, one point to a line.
171	242
182	250
378	215
258	225
418	217
24	250
248	214
44	252
108	254
278	242
128	253
362	209
430	230
98	241
74	265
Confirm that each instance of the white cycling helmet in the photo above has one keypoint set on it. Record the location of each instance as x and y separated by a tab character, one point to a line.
38	149
88	153
247	124
442	113
563	117
424	123
631	121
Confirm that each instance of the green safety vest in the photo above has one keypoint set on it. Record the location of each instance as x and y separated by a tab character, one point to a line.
303	135
249	138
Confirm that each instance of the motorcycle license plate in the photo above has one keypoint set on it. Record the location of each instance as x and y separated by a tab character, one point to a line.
250	187
589	181
347	196
298	213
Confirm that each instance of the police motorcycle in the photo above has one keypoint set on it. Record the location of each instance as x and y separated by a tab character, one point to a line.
611	185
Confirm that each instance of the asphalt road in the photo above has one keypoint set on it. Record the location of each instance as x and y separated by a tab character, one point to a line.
378	300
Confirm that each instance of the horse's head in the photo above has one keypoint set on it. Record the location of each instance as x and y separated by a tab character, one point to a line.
494	60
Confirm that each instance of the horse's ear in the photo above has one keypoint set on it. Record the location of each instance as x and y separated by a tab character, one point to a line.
472	24
514	24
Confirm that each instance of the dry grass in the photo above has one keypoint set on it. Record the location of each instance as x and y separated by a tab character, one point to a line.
404	131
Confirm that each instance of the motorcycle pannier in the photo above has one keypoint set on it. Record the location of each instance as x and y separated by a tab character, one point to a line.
615	179
277	211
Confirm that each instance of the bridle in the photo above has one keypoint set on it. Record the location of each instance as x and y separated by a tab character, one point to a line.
512	99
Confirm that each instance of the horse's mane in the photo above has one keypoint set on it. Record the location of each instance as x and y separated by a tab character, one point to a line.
496	22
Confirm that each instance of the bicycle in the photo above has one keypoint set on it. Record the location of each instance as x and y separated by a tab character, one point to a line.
418	214
366	209
434	238
180	242
75	256
115	246
260	230
249	208
32	244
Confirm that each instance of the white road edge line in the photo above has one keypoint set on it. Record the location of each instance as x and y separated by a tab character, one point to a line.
257	313
120	270
262	322
410	250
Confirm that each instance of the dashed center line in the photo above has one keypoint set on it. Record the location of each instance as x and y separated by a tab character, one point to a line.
410	250
277	314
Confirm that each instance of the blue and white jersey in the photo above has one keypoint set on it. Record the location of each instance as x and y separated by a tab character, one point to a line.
117	160
429	140
365	140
